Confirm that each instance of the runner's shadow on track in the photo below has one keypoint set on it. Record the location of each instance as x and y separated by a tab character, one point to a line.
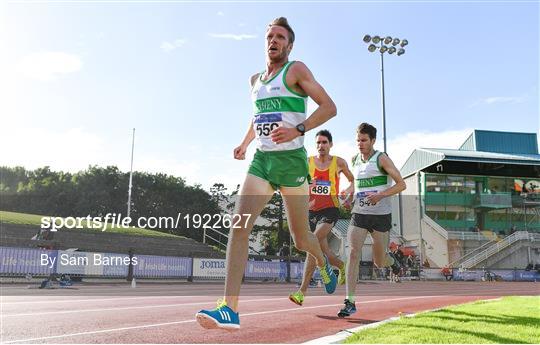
349	319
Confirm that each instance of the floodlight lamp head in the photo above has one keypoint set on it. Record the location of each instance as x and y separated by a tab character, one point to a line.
383	49
395	41
387	40
376	39
391	50
404	43
367	38
401	51
372	48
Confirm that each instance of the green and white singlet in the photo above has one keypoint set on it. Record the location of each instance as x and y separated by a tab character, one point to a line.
276	104
370	178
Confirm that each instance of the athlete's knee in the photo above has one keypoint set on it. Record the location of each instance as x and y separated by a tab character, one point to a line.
301	244
239	234
321	235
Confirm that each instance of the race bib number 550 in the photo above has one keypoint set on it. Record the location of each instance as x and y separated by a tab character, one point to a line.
264	124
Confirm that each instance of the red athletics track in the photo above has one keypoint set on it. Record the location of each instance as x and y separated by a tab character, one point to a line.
164	313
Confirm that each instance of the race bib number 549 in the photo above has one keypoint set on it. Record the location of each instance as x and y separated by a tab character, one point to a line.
362	200
264	124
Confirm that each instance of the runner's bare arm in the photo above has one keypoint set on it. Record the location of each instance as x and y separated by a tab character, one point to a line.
240	151
306	81
344	168
300	78
399	186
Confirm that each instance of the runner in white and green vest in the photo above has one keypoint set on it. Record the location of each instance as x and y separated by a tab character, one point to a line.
373	172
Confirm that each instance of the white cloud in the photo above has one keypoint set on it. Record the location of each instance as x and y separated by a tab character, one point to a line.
401	147
75	149
495	100
69	150
46	66
170	46
221	14
239	37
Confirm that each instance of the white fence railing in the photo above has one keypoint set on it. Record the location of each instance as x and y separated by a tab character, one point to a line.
495	248
476	250
219	238
467	235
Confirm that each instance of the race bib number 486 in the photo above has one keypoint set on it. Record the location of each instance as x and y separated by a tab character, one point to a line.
321	187
264	124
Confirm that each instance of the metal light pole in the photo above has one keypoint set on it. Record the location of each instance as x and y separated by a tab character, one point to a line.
381	45
131	174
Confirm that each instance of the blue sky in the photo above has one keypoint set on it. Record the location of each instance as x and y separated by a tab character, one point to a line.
78	76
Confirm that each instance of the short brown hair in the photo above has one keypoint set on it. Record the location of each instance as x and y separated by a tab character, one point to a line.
366	128
282	21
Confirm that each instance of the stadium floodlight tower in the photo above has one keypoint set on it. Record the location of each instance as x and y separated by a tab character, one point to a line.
383	45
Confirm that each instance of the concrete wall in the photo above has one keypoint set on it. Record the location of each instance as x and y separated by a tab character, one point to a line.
410	210
435	245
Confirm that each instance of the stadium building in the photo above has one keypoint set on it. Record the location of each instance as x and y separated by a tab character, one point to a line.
473	207
477	206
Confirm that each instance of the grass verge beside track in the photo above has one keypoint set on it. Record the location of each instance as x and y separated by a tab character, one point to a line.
510	320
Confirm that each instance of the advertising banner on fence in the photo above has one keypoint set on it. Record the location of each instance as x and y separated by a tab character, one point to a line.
432	274
209	268
266	270
150	266
297	269
528	276
27	261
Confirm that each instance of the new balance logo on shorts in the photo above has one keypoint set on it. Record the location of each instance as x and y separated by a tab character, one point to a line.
300	179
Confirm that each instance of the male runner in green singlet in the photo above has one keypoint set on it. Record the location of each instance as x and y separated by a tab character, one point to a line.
279	95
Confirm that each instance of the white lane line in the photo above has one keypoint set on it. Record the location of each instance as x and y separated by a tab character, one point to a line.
96	299
138	307
477	291
193	320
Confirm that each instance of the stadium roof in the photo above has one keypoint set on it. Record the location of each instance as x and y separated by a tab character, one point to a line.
422	158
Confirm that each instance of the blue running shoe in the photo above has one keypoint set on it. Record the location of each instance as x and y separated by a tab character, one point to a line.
221	317
328	277
348	309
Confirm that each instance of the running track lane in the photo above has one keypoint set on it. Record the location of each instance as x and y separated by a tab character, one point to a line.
66	318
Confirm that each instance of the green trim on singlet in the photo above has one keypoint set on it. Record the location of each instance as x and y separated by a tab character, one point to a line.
285	81
273	77
365	161
280	103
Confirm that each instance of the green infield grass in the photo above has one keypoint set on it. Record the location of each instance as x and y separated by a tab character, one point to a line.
509	320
